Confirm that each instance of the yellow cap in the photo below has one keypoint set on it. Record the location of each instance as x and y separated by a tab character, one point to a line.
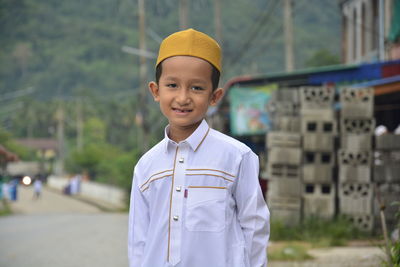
191	43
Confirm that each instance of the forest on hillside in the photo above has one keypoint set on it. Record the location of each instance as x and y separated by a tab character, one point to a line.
66	56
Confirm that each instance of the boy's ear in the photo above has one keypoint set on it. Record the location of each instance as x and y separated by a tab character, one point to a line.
153	88
216	96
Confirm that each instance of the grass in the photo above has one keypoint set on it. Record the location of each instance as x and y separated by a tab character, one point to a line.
4	208
289	251
318	232
291	243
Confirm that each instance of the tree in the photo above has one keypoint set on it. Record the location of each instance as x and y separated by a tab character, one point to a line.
321	58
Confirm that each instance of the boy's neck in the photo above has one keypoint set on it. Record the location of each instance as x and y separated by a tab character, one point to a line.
179	134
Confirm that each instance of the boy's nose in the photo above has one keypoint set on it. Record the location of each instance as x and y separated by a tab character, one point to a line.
183	97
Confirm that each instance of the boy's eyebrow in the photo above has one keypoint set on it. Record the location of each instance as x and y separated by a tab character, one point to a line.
195	80
171	78
198	81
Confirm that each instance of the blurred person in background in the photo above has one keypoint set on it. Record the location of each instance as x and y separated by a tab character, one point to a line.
13	189
5	189
37	188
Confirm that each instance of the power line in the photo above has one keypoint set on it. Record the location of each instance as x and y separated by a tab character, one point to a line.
272	34
254	33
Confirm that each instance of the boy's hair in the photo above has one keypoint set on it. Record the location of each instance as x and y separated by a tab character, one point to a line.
215	75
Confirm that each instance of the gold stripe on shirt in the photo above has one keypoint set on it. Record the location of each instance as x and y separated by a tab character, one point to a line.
209	174
214	187
152	180
202	139
153	176
212	170
170	205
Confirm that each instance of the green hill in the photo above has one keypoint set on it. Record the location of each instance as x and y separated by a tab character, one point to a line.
62	47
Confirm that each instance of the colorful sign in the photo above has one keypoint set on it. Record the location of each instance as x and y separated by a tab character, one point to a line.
248	112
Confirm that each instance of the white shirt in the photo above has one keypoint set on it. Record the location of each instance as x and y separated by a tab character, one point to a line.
37	185
198	204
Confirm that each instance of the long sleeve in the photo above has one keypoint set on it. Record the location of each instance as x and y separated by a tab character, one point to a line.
253	213
138	224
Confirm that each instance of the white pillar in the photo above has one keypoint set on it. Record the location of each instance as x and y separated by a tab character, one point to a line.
358	33
368	28
349	17
381	48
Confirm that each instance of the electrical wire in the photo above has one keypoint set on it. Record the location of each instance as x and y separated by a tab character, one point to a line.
254	32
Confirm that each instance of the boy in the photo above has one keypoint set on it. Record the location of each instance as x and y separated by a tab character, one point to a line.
196	200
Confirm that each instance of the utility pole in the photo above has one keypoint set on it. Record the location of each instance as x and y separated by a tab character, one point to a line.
60	118
288	29
183	14
79	124
217	21
381	25
143	137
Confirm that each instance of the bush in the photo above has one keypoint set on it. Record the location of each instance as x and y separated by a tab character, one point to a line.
104	163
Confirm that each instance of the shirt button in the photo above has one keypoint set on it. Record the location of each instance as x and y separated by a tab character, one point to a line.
178	189
181	160
176	217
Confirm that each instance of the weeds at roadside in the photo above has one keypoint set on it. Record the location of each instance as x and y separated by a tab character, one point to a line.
318	232
290	251
394	246
4	208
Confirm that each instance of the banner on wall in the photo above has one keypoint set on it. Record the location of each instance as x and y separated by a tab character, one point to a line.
248	112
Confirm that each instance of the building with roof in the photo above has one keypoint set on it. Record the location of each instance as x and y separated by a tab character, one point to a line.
370	30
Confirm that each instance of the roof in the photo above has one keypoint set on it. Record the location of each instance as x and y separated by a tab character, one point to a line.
336	74
382	86
39	143
9	156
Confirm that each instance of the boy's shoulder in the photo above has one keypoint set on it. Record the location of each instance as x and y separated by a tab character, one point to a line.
152	152
215	143
222	141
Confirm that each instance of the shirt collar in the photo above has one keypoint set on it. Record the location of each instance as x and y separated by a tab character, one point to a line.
194	140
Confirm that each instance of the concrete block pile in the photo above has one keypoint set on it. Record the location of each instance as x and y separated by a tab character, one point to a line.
324	161
357	124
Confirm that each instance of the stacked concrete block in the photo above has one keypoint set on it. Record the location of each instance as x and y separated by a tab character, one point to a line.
355	186
355	166
356	198
319	200
387	175
318	167
283	109
319	130
284	159
285	209
356	133
318	134
317	102
356	203
362	221
388	142
357	102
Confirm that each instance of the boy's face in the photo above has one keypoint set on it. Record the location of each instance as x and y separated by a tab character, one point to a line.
185	91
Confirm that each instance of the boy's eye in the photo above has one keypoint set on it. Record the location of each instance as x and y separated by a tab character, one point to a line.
172	85
197	88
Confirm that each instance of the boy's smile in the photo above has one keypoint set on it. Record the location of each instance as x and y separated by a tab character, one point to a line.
185	92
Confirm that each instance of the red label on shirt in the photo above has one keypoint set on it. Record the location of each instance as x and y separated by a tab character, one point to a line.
186	193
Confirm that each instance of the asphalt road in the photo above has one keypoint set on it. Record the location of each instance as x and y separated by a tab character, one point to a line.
58	231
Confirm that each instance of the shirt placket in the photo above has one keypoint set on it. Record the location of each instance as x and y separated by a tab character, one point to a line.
177	203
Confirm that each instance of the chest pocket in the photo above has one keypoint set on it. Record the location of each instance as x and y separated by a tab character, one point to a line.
205	208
